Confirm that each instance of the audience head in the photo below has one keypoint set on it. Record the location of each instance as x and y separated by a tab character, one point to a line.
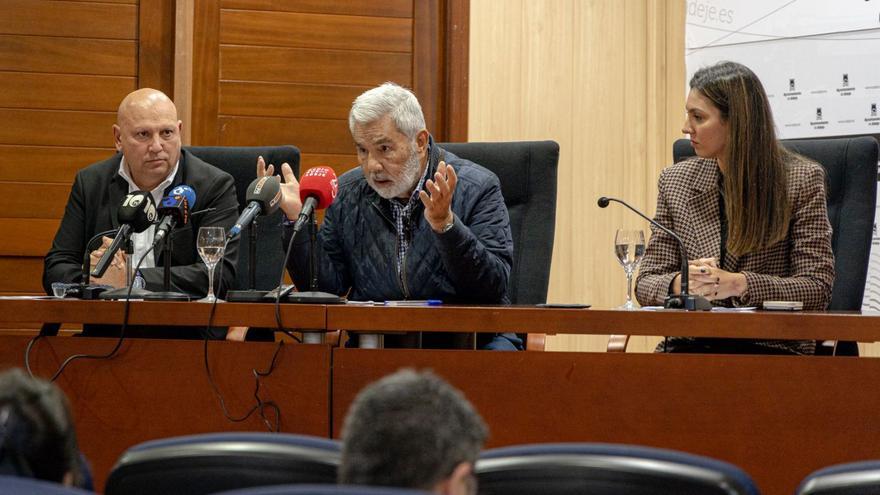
413	430
37	437
729	119
147	132
390	137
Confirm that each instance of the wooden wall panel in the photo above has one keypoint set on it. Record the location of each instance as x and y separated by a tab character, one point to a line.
63	91
309	135
21	274
307	65
387	8
316	31
64	55
57	128
287	100
64	68
40	232
74	19
17	199
56	163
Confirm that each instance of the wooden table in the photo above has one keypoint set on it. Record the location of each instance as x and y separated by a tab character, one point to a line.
778	417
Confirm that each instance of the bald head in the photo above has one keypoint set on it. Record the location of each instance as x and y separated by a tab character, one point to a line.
147	132
145	100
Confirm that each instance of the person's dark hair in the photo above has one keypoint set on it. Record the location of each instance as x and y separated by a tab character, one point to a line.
409	430
756	180
37	437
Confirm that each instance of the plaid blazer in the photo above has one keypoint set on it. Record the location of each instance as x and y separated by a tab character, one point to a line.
798	268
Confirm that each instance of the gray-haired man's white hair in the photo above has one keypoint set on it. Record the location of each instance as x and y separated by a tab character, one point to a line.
388	99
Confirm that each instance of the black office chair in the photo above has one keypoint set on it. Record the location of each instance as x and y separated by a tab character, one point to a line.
203	464
527	171
604	469
856	478
16	485
851	171
241	163
325	490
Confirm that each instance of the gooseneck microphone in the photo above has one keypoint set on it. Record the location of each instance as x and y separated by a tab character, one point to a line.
317	190
263	198
678	301
174	211
135	214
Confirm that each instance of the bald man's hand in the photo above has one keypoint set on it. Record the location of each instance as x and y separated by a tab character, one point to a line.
291	205
115	274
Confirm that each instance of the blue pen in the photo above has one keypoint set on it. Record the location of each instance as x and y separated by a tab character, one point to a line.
423	302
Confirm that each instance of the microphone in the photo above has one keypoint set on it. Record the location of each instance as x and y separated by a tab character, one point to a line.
174	209
136	213
317	190
679	301
263	198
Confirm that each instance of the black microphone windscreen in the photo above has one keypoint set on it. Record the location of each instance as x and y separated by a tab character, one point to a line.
137	210
267	192
603	202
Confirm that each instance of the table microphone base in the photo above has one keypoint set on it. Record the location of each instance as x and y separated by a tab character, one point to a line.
687	302
167	296
122	293
314	297
246	295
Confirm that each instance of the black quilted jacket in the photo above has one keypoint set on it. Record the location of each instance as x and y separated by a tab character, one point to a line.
357	243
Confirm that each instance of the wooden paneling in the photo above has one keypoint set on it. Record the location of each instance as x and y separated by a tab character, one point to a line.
156	45
21	274
387	8
68	55
49	164
75	19
56	128
63	91
287	100
36	242
205	130
306	65
309	135
315	31
339	163
33	200
64	68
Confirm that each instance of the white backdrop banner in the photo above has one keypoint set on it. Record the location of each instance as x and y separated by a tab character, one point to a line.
817	59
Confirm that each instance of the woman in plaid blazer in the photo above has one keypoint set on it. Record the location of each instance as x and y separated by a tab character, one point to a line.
752	214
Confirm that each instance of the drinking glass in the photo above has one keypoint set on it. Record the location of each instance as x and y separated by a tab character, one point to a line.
629	246
211	243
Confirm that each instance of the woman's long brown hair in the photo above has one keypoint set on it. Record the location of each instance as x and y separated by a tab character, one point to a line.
756	179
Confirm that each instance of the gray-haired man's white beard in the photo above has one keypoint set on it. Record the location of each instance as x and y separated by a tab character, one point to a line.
406	182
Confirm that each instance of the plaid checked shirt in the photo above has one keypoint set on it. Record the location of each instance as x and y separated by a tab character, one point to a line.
401	213
798	268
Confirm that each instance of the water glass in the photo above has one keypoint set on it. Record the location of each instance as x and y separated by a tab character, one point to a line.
211	244
629	246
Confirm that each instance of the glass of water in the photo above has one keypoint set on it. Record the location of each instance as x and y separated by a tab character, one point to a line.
211	243
629	246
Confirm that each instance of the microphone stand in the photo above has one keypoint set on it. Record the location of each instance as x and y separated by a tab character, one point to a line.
251	294
684	300
167	294
123	292
313	295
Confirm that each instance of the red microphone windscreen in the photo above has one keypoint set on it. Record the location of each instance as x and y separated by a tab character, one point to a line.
320	183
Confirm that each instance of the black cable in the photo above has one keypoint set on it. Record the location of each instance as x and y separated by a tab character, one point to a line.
278	322
260	405
116	347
